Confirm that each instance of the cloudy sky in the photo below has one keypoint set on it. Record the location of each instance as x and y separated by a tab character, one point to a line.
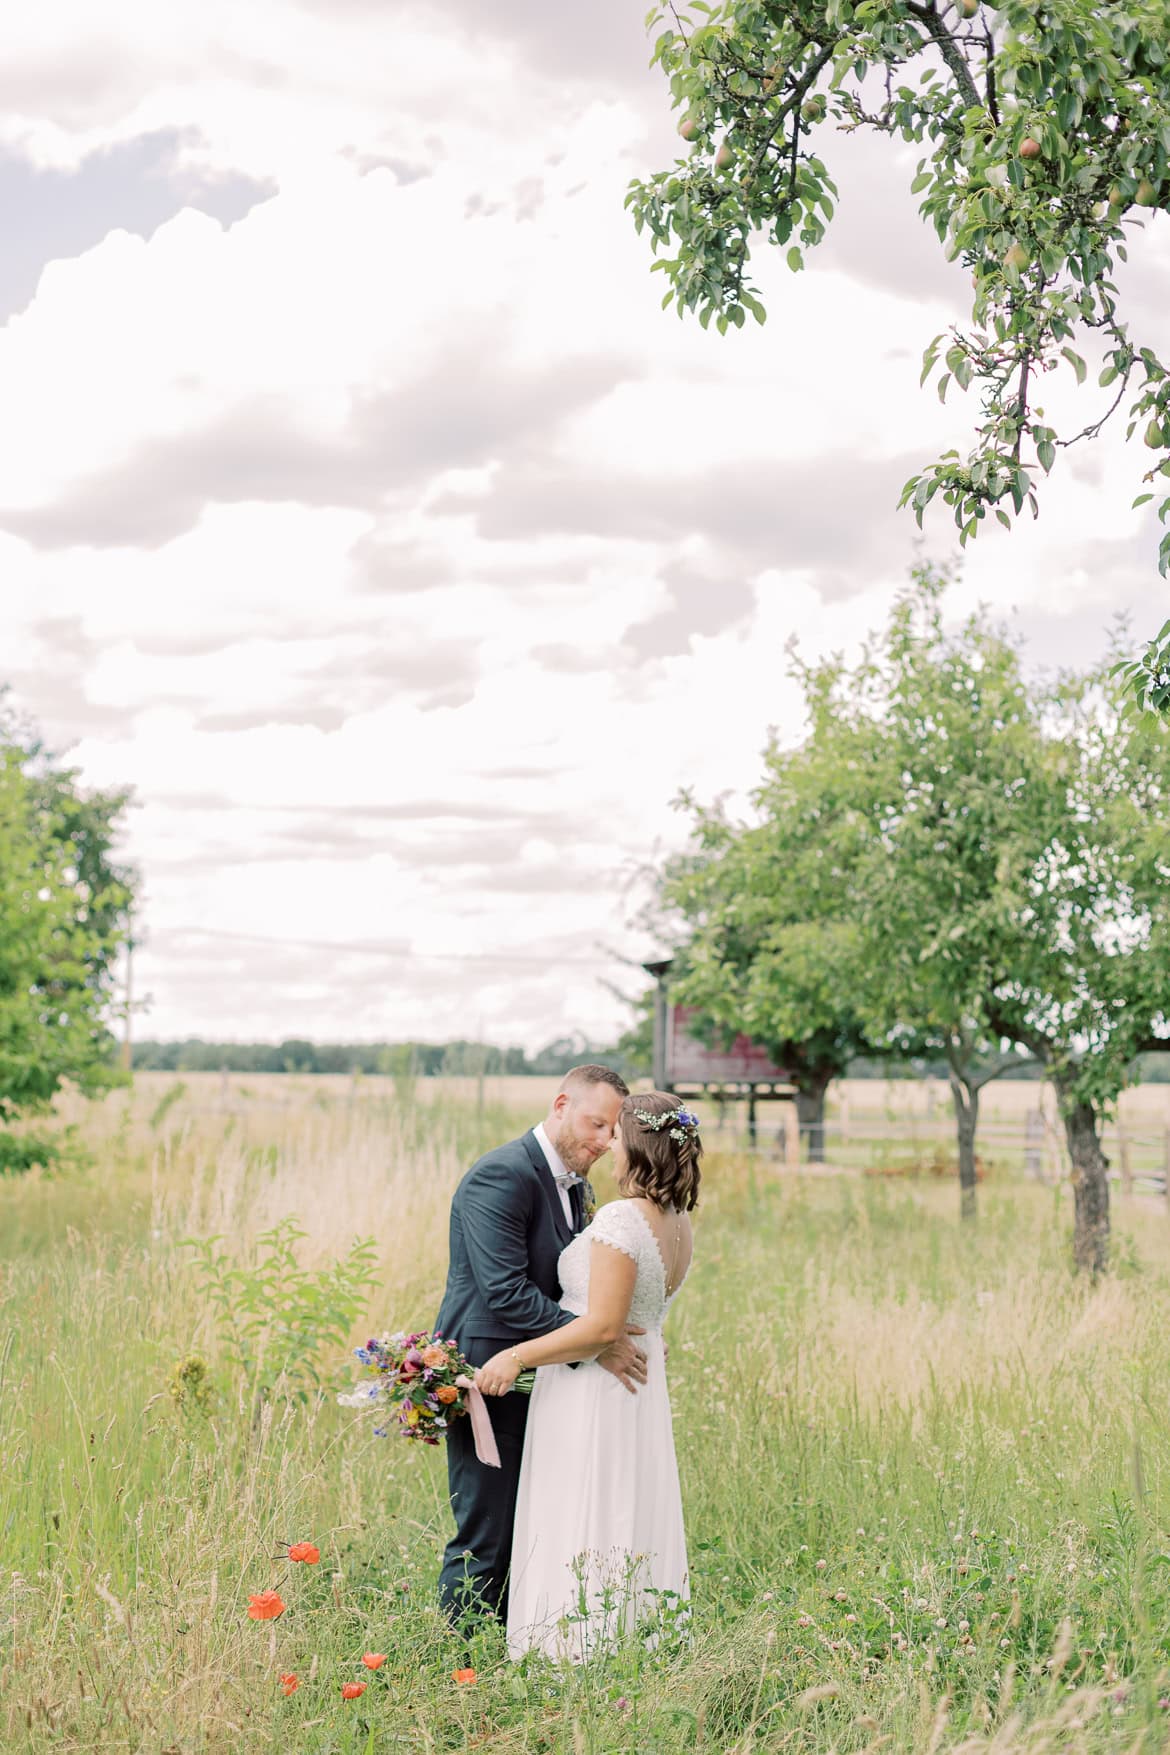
361	509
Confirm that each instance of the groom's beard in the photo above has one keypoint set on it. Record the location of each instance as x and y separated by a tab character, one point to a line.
577	1155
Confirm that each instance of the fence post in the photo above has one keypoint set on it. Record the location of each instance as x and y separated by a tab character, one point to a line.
1126	1165
792	1136
843	1118
1033	1144
1052	1132
1166	1165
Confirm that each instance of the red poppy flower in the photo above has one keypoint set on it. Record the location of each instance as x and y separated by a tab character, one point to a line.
351	1690
463	1675
290	1684
374	1660
306	1551
266	1607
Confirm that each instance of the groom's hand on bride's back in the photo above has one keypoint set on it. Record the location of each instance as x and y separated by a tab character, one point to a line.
626	1360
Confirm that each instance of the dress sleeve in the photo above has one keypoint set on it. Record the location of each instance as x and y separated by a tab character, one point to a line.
616	1224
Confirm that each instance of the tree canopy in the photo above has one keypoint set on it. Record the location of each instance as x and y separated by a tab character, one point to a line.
1045	136
958	861
765	946
64	914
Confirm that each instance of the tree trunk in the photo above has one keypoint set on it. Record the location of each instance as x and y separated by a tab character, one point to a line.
1090	1186
810	1114
966	1101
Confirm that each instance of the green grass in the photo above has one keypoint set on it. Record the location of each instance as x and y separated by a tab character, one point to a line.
926	1475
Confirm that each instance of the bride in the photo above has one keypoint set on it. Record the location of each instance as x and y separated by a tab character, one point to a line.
598	1547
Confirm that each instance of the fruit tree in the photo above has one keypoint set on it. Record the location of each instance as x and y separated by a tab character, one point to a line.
1045	135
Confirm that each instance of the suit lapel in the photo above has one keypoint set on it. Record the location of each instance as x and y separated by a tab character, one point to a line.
552	1194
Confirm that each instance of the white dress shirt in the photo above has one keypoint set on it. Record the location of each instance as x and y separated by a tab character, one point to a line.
558	1168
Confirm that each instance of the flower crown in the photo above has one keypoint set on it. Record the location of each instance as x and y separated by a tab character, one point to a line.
686	1122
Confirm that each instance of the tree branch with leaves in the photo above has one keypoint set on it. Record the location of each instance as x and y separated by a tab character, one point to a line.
1045	131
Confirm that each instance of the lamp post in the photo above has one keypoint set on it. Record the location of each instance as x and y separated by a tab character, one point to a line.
658	972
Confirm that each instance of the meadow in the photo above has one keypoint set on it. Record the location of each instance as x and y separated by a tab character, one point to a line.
926	1471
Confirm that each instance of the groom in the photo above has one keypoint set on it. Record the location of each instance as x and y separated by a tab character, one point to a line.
512	1214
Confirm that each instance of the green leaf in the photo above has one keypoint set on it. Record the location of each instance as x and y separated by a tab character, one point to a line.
1076	362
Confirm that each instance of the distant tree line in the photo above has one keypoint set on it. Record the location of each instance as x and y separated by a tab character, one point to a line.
453	1059
631	1056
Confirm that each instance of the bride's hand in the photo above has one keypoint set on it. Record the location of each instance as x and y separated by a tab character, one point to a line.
498	1375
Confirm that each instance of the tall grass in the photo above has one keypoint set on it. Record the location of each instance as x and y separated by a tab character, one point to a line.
927	1475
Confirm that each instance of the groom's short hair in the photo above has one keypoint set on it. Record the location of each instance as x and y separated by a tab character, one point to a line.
594	1075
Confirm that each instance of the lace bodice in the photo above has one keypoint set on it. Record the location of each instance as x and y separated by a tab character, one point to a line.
621	1225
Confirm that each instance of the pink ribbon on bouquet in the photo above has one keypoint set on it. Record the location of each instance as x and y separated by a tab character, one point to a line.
481	1424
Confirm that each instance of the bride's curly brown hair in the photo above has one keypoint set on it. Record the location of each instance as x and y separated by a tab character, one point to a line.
661	1169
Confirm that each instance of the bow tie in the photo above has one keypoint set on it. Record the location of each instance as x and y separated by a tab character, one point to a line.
567	1179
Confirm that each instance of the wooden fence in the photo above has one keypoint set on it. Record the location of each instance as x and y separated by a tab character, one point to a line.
1138	1149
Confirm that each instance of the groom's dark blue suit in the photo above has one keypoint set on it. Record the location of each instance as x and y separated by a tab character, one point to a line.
508	1228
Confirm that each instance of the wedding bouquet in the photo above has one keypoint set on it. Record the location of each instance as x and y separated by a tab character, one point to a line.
424	1377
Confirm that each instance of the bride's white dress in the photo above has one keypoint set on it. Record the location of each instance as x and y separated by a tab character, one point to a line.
599	1546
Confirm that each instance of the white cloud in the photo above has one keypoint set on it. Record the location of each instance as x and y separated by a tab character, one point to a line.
370	538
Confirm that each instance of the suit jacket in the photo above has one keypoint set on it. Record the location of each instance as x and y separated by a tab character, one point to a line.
507	1231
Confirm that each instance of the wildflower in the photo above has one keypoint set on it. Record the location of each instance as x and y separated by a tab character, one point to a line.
306	1551
265	1607
351	1690
622	1704
374	1660
821	1564
463	1676
289	1684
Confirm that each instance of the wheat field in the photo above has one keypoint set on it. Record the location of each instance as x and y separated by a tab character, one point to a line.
926	1472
